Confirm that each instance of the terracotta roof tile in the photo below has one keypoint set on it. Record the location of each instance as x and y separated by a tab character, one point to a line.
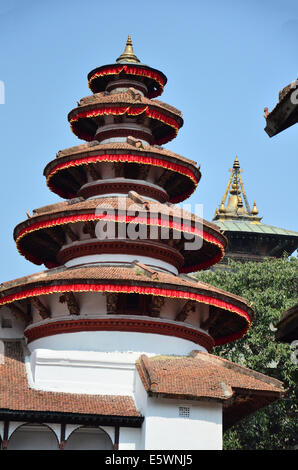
78	204
29	233
95	146
229	308
140	66
124	99
100	272
202	376
15	393
199	376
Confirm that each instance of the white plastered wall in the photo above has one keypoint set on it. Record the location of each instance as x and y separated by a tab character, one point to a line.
163	428
14	326
130	438
96	362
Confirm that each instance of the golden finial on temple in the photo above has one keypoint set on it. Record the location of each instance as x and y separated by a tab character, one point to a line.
236	163
240	208
237	205
128	53
222	208
254	209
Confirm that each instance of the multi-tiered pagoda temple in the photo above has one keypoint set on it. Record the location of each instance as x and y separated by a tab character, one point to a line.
109	347
248	238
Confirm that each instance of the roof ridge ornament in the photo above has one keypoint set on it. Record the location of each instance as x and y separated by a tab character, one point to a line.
128	54
254	209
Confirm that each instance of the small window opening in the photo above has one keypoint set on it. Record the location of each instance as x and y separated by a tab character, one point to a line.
6	323
184	411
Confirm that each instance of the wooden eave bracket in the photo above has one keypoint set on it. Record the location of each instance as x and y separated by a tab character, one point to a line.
43	311
72	303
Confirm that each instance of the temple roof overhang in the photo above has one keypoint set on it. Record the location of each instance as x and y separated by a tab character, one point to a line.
130	278
202	376
55	219
62	181
197	377
287	327
20	402
261	240
154	80
252	227
285	113
87	119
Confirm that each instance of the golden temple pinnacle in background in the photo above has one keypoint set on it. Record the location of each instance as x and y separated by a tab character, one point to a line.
248	238
128	54
236	163
237	206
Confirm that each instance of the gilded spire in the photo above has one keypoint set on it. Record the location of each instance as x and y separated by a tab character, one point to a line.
234	203
128	53
236	164
235	186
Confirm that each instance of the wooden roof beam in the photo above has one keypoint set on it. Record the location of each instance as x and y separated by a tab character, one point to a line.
58	238
72	235
189	307
213	316
77	176
163	178
94	172
156	305
43	311
144	170
49	244
89	227
173	183
112	302
119	169
18	312
71	301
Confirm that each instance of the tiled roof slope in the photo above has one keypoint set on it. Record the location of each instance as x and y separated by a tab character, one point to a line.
199	376
15	394
202	376
245	226
94	205
124	99
128	274
95	146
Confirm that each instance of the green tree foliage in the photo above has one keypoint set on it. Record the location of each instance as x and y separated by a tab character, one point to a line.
271	287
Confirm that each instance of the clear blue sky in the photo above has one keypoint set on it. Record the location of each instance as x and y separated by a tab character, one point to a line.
225	61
